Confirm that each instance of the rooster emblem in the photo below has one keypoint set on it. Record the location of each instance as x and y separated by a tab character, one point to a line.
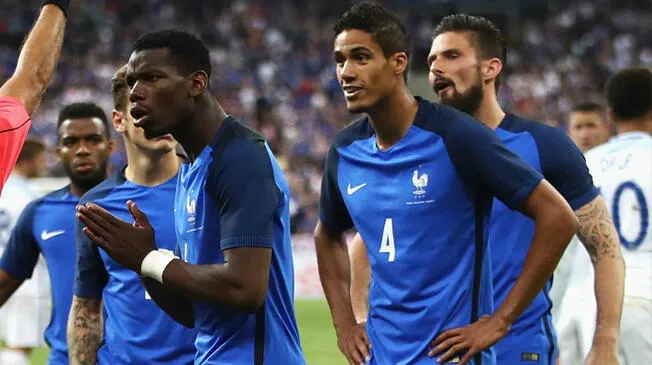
191	207
420	182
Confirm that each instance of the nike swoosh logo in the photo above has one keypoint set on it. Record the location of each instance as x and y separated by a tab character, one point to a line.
45	235
351	190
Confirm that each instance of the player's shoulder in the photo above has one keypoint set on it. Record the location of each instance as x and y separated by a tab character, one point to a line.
56	195
234	133
549	140
103	189
446	121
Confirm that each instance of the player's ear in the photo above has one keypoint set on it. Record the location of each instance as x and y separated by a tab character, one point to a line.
399	61
612	116
118	119
198	83
491	68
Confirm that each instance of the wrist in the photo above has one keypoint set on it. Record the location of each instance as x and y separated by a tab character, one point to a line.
155	263
62	4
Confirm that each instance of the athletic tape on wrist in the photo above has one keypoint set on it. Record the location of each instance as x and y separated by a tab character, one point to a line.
155	263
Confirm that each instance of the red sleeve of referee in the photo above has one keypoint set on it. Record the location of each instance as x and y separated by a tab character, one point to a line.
14	126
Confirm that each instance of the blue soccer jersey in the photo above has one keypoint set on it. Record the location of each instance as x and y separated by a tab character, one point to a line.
235	195
47	227
550	151
422	208
136	330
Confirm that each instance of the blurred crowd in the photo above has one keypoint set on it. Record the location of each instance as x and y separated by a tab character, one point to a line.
272	65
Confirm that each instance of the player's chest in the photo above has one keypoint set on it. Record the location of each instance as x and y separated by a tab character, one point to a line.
411	184
54	231
197	224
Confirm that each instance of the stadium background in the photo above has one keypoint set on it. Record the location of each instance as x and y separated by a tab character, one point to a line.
273	68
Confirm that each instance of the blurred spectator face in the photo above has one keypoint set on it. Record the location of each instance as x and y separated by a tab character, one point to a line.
84	149
160	96
365	75
587	129
135	136
455	74
36	167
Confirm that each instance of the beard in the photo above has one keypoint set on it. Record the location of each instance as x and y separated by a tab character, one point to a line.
88	180
468	102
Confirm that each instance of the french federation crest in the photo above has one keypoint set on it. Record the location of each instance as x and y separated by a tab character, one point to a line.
419	182
191	207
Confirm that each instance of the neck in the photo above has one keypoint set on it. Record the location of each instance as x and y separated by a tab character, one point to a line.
392	117
148	168
200	128
638	125
78	191
489	113
17	171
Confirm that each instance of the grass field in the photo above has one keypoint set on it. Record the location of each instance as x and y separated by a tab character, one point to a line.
317	335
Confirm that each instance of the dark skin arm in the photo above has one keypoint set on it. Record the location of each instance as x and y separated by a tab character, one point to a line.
335	276
555	224
176	306
241	282
8	285
37	59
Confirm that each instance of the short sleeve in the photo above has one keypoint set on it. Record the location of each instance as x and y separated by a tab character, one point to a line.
483	161
14	126
243	186
332	211
90	274
564	166
22	251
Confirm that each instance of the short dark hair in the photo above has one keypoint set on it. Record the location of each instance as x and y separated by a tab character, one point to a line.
188	53
489	40
31	149
120	89
83	110
386	28
588	106
629	93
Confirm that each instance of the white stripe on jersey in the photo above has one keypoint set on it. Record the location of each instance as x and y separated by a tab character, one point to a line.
622	169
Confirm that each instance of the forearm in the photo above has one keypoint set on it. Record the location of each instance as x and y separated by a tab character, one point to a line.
84	332
553	232
599	237
176	306
335	277
8	285
225	287
360	280
38	58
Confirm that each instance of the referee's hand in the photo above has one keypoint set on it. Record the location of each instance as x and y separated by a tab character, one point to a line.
468	340
354	343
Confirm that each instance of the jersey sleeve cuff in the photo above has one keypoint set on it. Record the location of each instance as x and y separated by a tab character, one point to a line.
584	199
15	272
246	241
522	194
87	292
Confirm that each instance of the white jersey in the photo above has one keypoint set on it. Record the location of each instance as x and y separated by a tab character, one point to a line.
15	196
622	170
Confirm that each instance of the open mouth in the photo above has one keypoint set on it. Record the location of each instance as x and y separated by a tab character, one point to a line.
441	85
140	115
350	91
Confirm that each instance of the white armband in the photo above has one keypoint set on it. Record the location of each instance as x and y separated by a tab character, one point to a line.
155	263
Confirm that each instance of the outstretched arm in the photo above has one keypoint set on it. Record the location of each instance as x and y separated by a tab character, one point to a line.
38	57
600	239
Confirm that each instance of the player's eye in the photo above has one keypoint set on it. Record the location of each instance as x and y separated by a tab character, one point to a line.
69	142
362	58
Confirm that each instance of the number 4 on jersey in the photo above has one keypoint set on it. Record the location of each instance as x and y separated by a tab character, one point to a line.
387	242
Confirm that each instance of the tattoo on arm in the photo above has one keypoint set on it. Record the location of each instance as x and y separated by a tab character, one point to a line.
597	231
84	330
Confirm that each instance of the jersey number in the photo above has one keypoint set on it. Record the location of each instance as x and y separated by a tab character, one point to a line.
615	208
387	243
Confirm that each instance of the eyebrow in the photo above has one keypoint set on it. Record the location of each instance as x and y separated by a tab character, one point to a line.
356	49
444	52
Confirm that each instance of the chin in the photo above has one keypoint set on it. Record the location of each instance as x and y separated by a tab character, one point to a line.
357	108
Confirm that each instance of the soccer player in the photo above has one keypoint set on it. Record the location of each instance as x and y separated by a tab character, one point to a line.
46	226
235	282
135	330
588	125
23	316
465	62
622	169
22	93
417	180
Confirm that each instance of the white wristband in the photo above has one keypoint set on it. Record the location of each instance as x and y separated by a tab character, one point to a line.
155	263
